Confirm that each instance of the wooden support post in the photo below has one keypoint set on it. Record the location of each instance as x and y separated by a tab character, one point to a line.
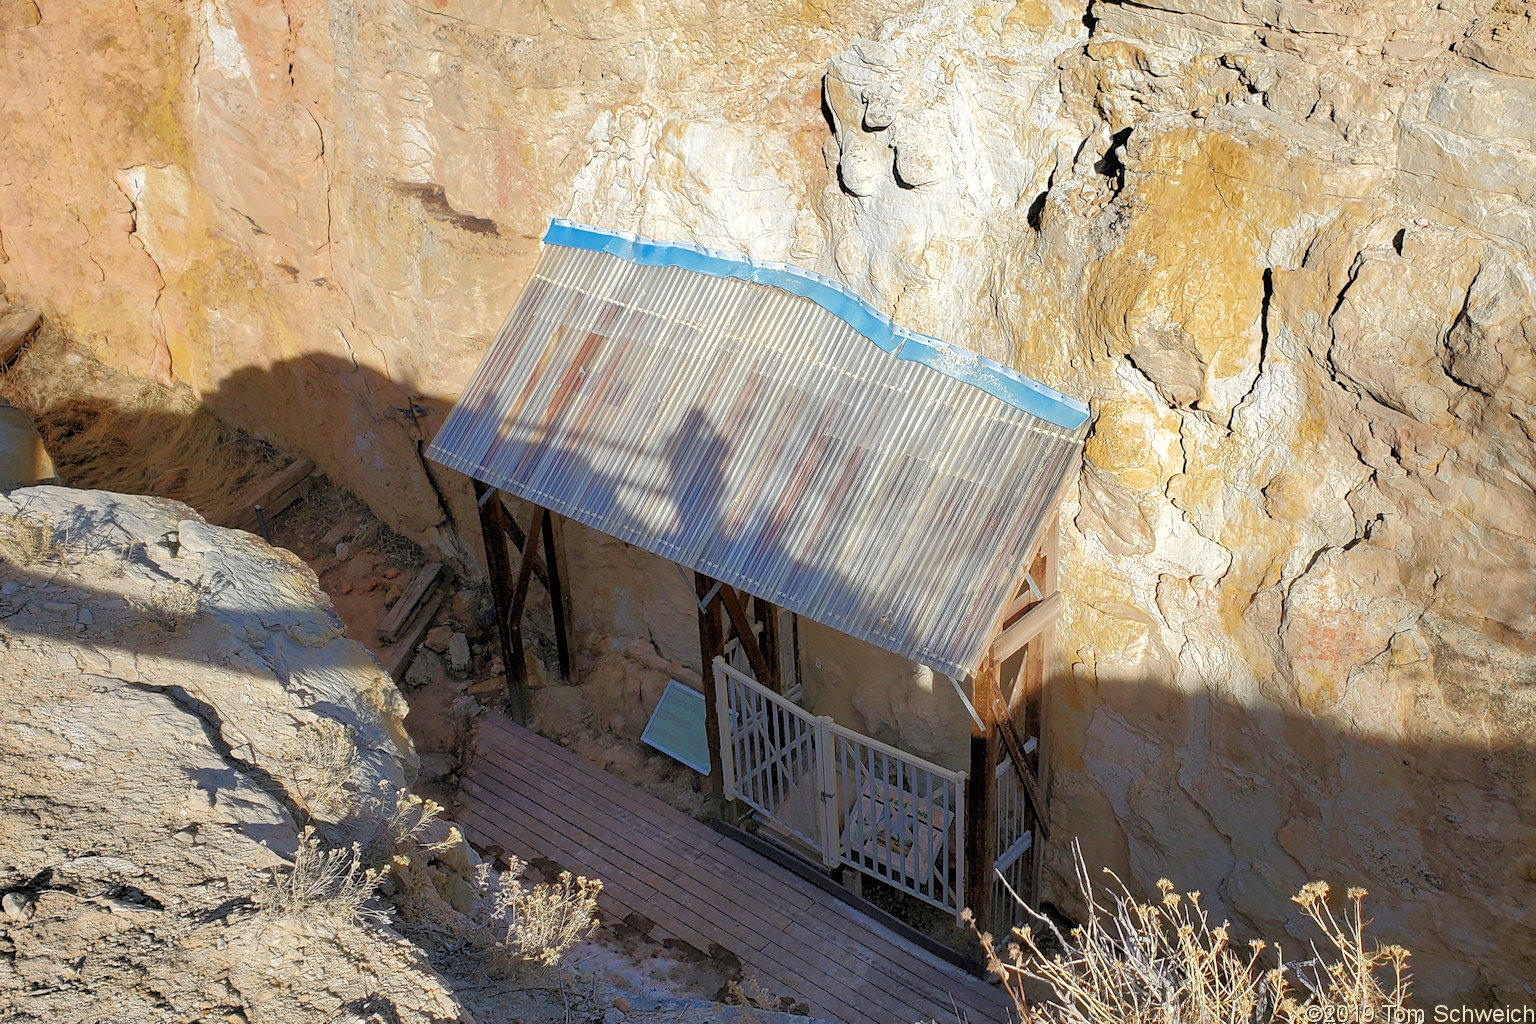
520	542
557	525
498	564
557	600
981	798
711	646
773	648
517	673
1035	674
748	636
1025	633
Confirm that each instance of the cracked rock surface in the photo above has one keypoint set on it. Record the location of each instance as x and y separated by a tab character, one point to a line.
156	677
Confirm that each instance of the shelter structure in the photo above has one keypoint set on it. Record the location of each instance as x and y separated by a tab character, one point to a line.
803	458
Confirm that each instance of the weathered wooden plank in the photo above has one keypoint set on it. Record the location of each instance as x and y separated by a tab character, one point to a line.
584	777
981	794
525	566
500	821
516	743
825	1005
711	646
494	526
1029	625
273	493
906	964
16	325
514	533
1032	685
607	854
514	816
399	655
483	827
654	859
660	849
576	852
873	977
1021	768
885	998
399	618
559	601
704	846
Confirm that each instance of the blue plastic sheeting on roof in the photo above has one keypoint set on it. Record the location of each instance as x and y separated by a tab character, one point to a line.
971	367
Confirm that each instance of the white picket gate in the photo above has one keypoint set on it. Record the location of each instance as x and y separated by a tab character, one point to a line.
854	800
1015	836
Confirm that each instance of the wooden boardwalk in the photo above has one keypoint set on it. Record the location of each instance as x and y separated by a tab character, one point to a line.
529	796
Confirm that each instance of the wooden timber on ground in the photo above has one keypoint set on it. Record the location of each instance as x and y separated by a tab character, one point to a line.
273	493
410	618
16	325
399	655
403	614
528	796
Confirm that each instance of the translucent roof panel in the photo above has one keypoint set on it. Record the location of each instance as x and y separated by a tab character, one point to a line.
766	427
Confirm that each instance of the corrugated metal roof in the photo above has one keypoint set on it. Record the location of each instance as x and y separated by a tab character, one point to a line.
754	423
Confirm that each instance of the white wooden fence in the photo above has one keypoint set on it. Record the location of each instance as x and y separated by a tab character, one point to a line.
854	800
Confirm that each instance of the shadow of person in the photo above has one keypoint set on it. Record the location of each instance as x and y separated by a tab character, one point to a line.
696	457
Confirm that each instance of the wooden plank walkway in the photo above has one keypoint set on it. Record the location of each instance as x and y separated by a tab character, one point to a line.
532	797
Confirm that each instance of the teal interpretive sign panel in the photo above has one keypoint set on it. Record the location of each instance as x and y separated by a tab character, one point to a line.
676	727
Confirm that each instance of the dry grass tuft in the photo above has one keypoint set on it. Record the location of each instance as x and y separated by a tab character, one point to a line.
106	429
174	605
26	541
1165	963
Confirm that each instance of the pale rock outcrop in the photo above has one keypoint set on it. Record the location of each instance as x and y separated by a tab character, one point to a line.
1284	248
158	677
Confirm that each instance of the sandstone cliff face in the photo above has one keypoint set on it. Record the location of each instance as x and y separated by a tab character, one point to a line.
1285	248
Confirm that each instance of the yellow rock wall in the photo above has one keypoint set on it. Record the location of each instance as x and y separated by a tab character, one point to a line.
1286	249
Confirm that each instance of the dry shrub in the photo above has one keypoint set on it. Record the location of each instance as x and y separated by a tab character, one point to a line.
319	762
174	604
1165	963
323	884
402	827
539	923
341	883
376	535
27	541
106	429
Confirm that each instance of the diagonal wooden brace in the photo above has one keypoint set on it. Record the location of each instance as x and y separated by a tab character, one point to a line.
747	635
1021	768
